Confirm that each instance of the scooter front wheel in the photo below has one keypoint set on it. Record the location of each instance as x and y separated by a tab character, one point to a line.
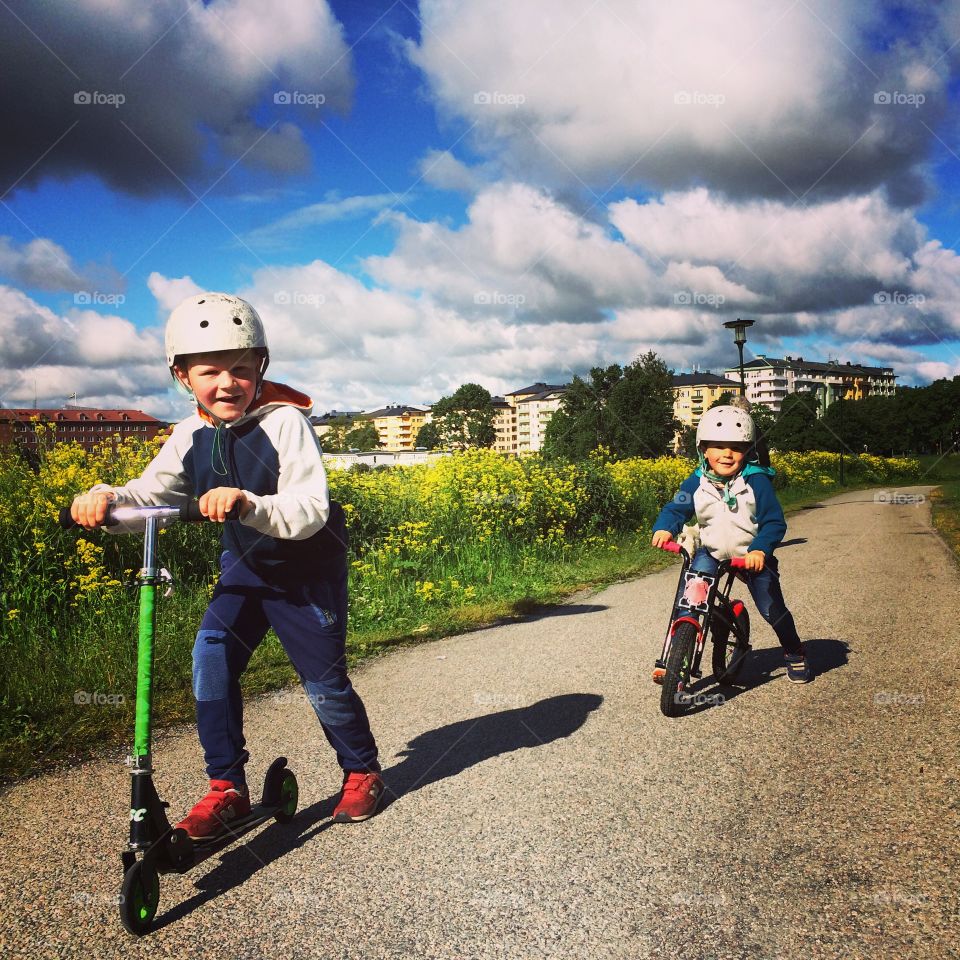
139	898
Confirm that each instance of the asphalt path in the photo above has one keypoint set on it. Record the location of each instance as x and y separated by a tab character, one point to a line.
541	806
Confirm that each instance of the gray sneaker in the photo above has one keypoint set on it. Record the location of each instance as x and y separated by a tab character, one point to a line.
798	669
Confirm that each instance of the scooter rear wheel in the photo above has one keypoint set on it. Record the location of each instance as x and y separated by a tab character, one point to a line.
289	794
139	898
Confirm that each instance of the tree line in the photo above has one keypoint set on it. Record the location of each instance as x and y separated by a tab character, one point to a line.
629	411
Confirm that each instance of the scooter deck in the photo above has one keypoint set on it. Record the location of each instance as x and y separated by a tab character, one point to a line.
259	814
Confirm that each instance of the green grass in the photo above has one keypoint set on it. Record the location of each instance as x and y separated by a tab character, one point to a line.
945	505
43	725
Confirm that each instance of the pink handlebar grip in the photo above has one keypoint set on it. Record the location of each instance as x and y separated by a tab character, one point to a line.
672	546
739	563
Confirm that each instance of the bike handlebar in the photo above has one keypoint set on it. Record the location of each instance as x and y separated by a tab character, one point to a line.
189	513
736	563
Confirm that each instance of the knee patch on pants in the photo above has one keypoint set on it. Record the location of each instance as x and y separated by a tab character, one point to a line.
211	674
332	705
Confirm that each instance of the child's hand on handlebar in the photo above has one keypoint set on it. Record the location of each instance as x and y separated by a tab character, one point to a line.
755	560
89	510
660	537
215	504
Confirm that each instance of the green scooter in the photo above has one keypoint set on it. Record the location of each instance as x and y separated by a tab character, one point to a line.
155	847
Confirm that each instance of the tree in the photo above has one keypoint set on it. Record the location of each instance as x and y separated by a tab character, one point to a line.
797	426
427	436
465	419
363	437
722	401
629	410
334	440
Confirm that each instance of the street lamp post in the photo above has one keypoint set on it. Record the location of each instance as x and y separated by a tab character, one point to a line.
739	328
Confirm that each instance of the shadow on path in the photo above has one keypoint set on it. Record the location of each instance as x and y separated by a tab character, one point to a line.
429	757
762	666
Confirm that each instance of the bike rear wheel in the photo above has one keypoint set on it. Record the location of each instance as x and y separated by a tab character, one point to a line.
730	648
679	662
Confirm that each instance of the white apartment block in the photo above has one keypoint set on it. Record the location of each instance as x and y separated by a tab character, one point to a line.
523	415
770	379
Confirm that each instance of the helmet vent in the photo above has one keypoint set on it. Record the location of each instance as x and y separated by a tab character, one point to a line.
201	301
238	321
204	323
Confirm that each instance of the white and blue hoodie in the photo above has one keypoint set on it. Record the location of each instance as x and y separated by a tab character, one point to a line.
271	453
748	518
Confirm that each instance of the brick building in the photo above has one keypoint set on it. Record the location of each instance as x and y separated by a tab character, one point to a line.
87	426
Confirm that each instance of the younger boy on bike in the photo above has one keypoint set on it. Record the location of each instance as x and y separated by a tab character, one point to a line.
739	516
250	455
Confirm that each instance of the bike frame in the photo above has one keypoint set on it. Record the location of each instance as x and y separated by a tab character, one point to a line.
713	594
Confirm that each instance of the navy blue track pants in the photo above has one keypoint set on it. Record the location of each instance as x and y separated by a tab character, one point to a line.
310	620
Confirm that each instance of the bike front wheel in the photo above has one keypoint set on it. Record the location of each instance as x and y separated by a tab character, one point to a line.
673	696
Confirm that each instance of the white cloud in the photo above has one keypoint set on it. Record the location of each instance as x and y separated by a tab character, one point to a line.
289	229
768	99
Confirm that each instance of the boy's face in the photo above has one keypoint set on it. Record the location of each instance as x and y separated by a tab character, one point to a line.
726	460
224	382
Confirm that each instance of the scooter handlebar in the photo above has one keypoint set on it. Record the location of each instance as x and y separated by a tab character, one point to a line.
189	513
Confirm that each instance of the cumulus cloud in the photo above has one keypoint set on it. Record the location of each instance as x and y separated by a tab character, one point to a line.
145	95
41	264
753	100
47	356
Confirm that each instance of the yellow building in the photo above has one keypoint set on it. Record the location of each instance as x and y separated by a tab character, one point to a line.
398	426
693	393
521	421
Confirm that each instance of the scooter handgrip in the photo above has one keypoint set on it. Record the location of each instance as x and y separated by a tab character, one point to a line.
191	513
672	546
66	519
739	563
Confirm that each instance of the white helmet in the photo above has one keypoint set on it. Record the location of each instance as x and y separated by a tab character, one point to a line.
725	425
209	322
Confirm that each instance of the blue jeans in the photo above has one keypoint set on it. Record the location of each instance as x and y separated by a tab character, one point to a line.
310	620
764	586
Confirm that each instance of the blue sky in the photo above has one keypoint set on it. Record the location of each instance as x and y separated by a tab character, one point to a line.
469	191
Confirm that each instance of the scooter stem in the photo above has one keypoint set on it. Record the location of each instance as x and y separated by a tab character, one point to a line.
148	597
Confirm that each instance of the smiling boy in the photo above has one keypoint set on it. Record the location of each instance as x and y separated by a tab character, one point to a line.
739	516
250	455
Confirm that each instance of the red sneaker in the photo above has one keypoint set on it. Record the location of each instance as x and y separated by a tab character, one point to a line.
213	815
359	798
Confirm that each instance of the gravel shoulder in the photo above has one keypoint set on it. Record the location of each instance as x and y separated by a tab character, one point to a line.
542	807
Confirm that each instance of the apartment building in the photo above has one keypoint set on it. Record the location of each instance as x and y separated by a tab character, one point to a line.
693	393
521	422
398	426
88	426
770	379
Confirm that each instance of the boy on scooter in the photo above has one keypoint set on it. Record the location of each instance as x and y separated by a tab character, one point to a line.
250	455
739	516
